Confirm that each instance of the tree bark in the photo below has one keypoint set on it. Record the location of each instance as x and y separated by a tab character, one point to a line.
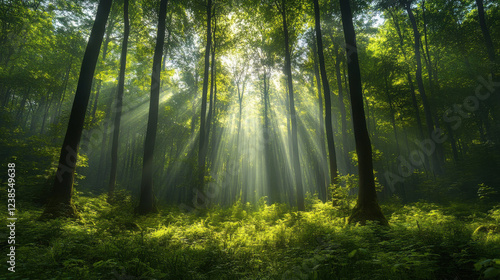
203	147
332	157
295	146
60	203
427	109
146	202
212	86
486	35
391	112
408	76
323	178
367	207
345	142
119	101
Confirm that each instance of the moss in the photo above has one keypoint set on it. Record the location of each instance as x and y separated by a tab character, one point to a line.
55	210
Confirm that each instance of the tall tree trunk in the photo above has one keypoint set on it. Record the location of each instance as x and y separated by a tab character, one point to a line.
391	112
273	187
427	54
343	114
45	114
20	111
109	30
97	89
323	180
119	101
212	86
146	202
327	95
60	203
63	91
427	109
203	125
486	35
295	145
408	76
367	207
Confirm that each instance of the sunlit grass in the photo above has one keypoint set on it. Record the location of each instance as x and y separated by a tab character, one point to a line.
252	241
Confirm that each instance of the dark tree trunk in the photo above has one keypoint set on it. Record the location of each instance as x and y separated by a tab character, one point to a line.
212	86
452	142
119	101
63	92
486	35
408	76
146	202
107	39
45	114
60	203
203	125
345	142
391	112
427	109
427	54
273	187
367	207
20	111
332	157
295	146
323	178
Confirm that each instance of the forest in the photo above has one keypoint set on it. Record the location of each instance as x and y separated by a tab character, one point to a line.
250	139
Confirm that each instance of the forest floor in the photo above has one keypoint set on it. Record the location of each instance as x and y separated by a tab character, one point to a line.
424	241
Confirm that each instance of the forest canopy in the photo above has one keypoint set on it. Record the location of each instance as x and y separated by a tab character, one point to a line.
251	139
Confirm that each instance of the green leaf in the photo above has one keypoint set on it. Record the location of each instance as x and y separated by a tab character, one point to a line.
491	272
352	254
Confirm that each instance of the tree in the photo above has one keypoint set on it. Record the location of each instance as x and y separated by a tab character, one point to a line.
327	94
119	102
146	202
60	203
293	116
367	207
203	123
323	178
486	35
420	83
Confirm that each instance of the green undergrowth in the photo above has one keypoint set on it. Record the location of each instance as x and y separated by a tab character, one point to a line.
424	241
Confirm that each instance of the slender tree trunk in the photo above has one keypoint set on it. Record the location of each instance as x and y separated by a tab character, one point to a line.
20	111
345	142
109	30
133	156
45	114
146	202
408	76
212	86
119	101
203	125
427	54
391	112
272	185
323	180
63	92
486	35
295	146
367	207
427	109
60	203
327	95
